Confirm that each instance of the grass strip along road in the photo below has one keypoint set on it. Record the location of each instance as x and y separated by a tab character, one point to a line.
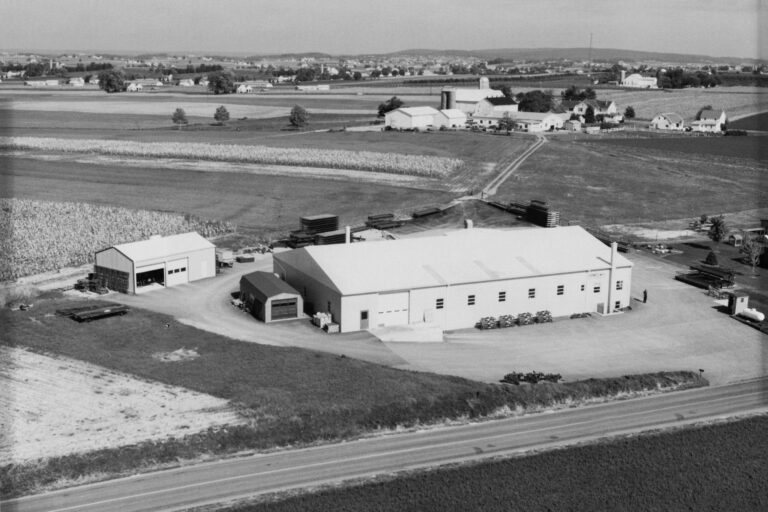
282	470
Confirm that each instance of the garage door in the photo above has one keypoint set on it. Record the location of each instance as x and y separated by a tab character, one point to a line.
177	272
393	309
284	308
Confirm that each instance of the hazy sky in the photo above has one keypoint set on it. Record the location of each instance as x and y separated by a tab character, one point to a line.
710	27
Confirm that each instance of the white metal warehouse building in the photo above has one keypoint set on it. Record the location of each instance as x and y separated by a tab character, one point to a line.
156	263
455	279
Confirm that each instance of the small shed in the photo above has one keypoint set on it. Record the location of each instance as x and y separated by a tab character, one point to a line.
269	298
736	240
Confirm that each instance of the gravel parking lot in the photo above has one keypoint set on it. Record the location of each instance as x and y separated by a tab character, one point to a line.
678	329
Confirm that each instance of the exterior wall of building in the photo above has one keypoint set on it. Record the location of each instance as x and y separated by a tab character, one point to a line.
662	123
113	259
582	292
317	297
200	263
399	120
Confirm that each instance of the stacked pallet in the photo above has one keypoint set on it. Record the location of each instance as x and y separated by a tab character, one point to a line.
300	238
539	213
331	237
383	221
424	212
323	223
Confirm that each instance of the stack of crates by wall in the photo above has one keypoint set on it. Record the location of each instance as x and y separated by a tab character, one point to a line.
322	223
538	212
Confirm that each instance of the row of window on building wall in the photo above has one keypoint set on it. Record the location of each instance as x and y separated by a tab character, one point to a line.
177	270
440	303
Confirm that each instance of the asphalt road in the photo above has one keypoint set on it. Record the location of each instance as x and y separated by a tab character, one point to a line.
264	473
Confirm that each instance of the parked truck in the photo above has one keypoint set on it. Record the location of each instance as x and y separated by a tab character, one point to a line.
225	258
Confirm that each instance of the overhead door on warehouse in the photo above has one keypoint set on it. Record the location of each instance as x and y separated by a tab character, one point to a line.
393	309
177	272
284	308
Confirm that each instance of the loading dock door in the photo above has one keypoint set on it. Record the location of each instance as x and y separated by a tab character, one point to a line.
393	309
284	308
177	272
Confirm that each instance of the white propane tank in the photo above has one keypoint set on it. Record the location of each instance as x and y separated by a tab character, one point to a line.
753	314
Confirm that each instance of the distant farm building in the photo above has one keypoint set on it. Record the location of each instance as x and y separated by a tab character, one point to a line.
411	118
318	87
134	87
599	107
466	99
710	121
455	279
186	82
539	121
489	111
451	118
269	298
638	81
156	263
668	121
42	83
77	81
244	89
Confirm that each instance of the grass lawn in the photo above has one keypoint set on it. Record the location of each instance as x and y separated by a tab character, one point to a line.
715	467
288	396
258	203
614	182
756	122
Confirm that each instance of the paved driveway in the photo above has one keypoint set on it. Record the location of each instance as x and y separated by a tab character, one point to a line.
678	329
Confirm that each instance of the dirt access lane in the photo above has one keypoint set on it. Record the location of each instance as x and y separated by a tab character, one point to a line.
206	305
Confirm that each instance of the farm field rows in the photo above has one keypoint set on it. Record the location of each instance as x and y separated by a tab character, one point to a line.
601	183
260	204
689	469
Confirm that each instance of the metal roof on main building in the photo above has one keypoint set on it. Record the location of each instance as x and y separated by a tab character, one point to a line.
162	247
465	256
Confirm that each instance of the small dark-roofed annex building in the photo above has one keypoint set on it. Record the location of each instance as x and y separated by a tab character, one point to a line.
156	263
269	298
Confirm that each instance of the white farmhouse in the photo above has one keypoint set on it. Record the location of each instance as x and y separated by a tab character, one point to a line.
710	121
134	87
668	121
409	118
451	118
244	89
455	279
186	82
77	81
638	81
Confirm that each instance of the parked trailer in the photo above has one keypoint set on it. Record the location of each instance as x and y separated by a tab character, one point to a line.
100	312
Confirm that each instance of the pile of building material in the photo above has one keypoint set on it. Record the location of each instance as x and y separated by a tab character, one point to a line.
322	223
383	221
425	212
321	319
539	213
92	283
332	237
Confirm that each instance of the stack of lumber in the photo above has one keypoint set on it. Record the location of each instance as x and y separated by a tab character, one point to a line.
322	223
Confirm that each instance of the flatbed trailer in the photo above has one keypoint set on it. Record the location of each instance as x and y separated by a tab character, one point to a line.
99	312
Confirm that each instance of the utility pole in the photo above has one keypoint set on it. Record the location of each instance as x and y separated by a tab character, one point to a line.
589	70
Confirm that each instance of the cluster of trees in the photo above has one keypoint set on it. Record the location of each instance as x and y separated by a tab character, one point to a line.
202	68
535	101
391	104
678	78
573	93
92	66
298	116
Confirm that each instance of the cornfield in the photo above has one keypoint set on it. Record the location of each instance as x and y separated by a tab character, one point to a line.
43	236
393	163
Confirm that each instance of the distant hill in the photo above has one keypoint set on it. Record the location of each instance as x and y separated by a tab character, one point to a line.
576	54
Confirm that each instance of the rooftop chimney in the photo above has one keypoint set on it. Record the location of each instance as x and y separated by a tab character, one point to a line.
348	235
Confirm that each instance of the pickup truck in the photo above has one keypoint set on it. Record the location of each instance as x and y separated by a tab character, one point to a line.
225	258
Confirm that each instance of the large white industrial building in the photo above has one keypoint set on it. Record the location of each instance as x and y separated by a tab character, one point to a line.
156	263
409	118
455	279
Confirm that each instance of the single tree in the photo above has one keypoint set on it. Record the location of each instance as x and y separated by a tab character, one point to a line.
629	112
506	122
299	116
112	81
589	94
718	230
701	110
535	101
357	75
712	259
752	251
221	83
589	115
391	104
179	117
221	115
703	219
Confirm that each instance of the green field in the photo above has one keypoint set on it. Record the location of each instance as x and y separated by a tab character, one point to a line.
261	204
720	467
288	396
632	180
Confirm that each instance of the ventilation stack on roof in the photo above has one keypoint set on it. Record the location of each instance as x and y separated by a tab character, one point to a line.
322	223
